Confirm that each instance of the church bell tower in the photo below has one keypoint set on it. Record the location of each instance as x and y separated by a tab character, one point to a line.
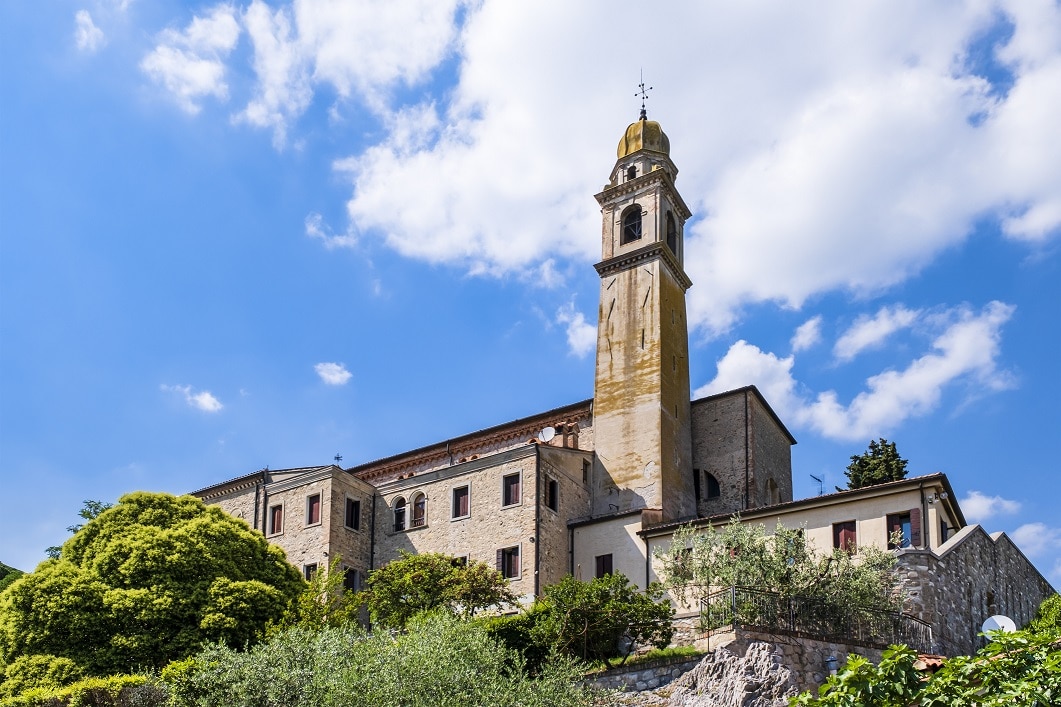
641	414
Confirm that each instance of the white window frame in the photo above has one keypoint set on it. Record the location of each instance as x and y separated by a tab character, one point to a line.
452	491
270	532
320	511
519	549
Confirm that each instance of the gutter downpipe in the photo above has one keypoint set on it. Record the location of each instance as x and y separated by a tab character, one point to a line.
924	516
372	536
537	516
265	501
257	497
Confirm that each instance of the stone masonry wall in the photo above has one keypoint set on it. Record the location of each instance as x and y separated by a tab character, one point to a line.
554	538
718	448
771	461
974	576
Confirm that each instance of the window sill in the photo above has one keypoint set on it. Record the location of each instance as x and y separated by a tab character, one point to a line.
465	517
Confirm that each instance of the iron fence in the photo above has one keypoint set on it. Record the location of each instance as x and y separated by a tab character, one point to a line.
812	617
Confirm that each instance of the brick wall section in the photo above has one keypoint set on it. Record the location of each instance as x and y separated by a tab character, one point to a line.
974	576
488	527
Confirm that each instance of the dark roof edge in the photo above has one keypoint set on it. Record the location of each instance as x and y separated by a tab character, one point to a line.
753	389
588	404
257	474
767	511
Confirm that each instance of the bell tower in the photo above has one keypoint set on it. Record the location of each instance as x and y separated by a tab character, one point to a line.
641	416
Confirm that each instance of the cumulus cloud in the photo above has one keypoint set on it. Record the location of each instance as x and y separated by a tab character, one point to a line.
316	228
868	332
979	507
190	63
203	400
333	373
581	335
88	36
1037	539
807	335
965	351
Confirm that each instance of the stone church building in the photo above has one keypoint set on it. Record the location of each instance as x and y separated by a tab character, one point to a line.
594	487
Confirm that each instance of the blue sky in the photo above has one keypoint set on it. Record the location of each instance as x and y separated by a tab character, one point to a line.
238	235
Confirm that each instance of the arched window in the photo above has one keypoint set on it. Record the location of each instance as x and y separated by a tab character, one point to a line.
631	173
773	494
631	225
419	510
399	514
713	490
672	233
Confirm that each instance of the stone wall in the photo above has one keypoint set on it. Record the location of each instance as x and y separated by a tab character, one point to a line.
554	538
718	448
771	452
643	676
804	657
973	576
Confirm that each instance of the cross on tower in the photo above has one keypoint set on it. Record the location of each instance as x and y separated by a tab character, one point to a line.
642	92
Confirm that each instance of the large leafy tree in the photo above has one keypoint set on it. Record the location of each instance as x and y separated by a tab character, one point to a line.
145	582
414	584
8	575
880	463
604	618
782	561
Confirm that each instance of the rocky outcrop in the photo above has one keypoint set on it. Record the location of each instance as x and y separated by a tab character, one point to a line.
723	678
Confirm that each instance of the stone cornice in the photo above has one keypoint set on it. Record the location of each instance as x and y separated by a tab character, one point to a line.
634	257
637	184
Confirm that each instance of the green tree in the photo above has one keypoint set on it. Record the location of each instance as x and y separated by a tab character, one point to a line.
603	618
8	575
877	465
144	583
325	602
414	584
89	510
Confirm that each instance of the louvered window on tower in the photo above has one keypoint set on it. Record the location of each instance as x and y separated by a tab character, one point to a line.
631	224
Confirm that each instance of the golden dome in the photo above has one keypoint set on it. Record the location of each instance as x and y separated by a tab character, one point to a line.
643	135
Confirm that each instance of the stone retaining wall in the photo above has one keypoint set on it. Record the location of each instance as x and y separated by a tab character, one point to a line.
644	676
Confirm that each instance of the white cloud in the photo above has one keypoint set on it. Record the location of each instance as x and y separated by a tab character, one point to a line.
190	63
868	332
203	400
978	507
581	335
1037	539
88	36
807	335
316	228
333	373
965	351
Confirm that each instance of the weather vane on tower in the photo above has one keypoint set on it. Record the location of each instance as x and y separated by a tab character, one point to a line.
643	93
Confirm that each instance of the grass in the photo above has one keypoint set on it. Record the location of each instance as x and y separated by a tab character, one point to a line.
668	653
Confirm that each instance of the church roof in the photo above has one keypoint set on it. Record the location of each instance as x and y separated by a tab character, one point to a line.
643	134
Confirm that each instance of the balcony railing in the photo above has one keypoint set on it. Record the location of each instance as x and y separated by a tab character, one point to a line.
812	617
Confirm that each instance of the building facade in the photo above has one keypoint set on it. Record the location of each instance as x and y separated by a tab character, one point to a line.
594	487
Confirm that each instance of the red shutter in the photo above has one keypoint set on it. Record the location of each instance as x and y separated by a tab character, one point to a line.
915	527
501	561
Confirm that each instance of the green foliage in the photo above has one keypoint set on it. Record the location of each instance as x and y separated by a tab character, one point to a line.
414	584
441	661
89	510
47	671
516	632
1048	617
744	554
146	582
604	618
110	691
878	464
325	602
8	575
1013	669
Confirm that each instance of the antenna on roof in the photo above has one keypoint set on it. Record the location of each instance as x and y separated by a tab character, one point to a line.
820	482
338	458
643	93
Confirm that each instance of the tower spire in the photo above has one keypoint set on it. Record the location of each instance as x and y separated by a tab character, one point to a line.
642	92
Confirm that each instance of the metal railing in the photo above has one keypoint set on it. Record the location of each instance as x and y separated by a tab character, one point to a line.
812	617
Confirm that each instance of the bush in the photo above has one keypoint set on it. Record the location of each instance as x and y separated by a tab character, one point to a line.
111	691
44	671
516	632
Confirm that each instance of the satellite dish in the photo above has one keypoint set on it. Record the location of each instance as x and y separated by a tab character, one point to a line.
547	434
999	623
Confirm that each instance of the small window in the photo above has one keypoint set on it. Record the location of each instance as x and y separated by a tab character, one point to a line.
399	514
461	561
309	571
313	509
351	579
552	494
713	489
672	233
508	563
604	564
276	519
353	514
904	529
631	172
844	536
461	506
585	471
510	491
631	225
419	511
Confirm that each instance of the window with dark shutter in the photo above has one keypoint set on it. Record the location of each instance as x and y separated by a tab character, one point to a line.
508	562
399	514
460	502
313	509
510	491
844	536
604	564
353	514
915	527
552	494
672	233
276	519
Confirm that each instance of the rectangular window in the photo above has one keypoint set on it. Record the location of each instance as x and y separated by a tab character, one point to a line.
585	471
309	571
604	564
898	530
510	492
313	509
552	494
844	536
353	514
351	579
276	519
508	562
461	508
461	561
